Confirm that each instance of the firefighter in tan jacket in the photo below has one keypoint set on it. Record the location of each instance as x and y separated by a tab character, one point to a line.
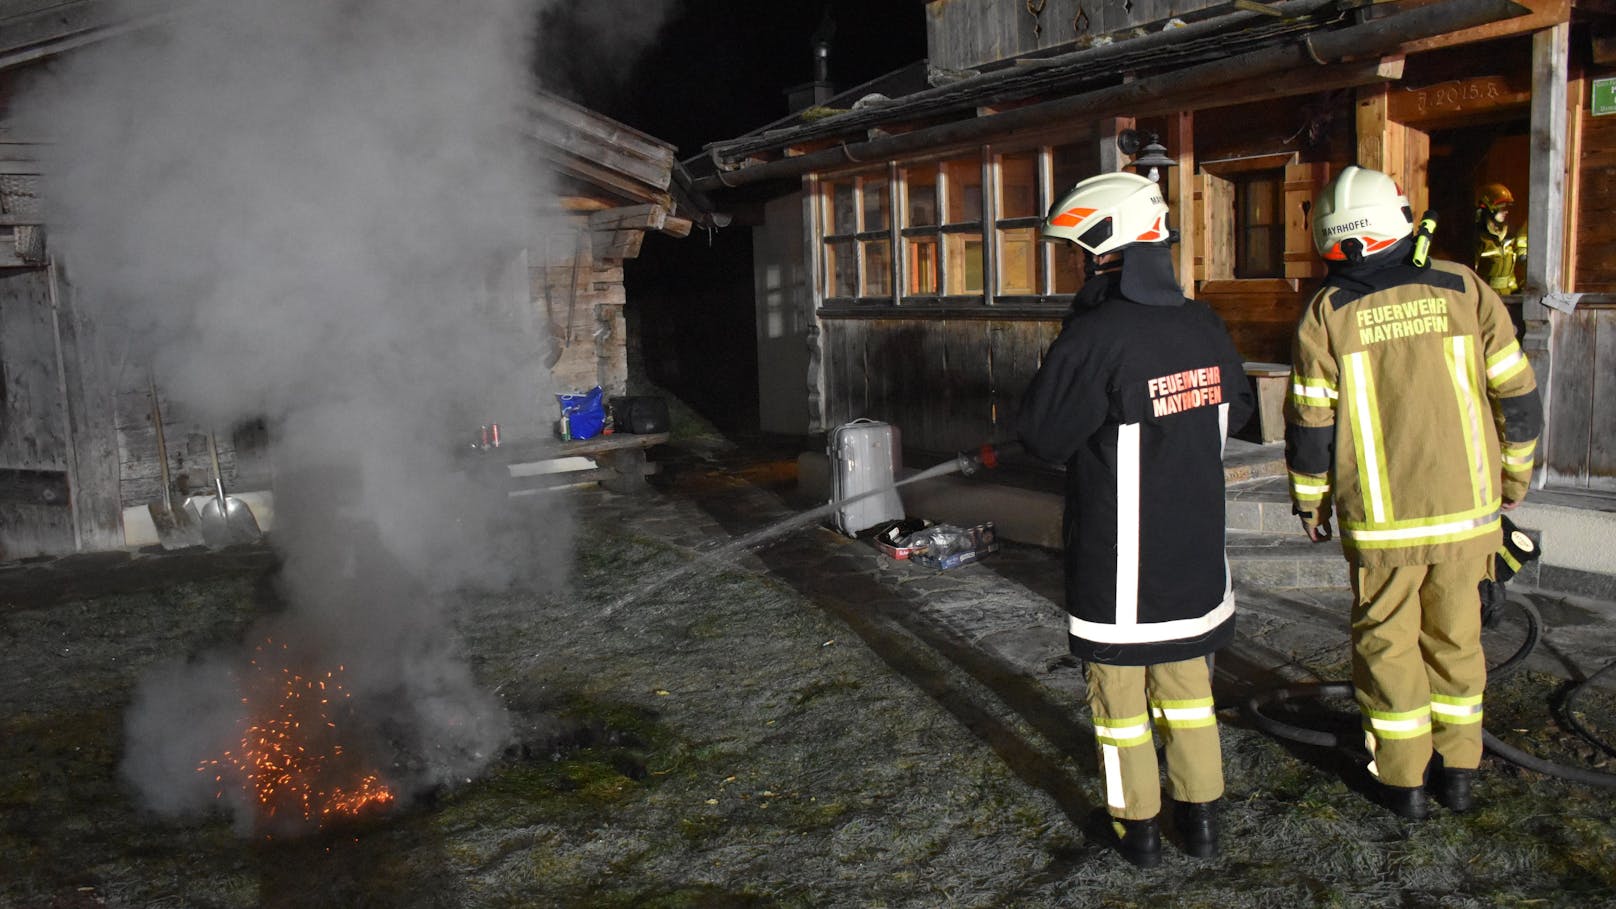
1414	412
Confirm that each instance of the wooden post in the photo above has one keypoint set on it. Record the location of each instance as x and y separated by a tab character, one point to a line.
1181	144
1545	253
814	266
1372	127
1111	157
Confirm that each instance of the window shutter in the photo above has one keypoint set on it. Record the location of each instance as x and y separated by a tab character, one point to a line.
1198	211
1302	185
1217	227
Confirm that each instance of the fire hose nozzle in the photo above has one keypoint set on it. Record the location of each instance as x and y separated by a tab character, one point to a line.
986	456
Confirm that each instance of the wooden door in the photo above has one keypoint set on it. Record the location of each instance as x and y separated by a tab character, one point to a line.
58	457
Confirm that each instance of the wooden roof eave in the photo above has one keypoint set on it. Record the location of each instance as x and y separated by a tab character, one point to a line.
1165	92
607	179
1080	70
565	130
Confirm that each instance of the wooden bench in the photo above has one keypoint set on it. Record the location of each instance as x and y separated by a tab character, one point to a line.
617	461
1272	381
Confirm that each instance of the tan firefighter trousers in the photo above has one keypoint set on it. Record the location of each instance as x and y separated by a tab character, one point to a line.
1417	665
1175	698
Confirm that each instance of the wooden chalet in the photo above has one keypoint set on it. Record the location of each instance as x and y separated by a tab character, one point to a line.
927	300
79	443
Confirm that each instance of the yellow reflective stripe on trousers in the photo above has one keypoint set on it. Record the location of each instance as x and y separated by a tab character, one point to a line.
1456	711
1469	418
1409	724
1367	440
1121	733
1503	366
1189	714
1422	532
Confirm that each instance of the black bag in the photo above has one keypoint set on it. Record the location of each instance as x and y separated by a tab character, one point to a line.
639	414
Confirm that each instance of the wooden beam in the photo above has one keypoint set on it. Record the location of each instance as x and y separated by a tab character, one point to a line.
1543	14
677	227
1576	93
634	217
1373	118
1546	184
1181	144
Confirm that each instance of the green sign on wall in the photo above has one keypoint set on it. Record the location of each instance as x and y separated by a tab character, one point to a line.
1604	96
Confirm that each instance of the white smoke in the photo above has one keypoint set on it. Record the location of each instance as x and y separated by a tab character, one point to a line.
312	212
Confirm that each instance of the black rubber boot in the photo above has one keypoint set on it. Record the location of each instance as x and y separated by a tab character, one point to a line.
1198	824
1139	841
1453	789
1406	801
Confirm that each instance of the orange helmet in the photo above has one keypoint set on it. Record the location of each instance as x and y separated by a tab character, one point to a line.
1494	196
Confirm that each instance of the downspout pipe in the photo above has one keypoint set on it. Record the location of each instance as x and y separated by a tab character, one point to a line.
1150	95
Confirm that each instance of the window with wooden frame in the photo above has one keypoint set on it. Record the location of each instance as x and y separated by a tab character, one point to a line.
1069	165
1018	218
1254	225
962	227
943	231
856	219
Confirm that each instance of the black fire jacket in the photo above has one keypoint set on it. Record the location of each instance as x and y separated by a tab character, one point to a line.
1136	399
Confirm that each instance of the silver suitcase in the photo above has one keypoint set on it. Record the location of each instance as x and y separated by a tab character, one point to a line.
865	456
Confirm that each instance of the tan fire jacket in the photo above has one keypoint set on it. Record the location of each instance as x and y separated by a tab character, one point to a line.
1413	406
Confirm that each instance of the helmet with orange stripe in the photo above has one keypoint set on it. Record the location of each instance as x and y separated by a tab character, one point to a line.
1108	212
1360	206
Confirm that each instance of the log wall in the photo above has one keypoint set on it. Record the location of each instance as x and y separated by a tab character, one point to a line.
948	384
965	33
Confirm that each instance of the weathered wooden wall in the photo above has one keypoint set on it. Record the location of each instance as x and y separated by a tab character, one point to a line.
964	33
58	454
35	515
947	384
244	467
1261	317
1596	193
1581	441
581	297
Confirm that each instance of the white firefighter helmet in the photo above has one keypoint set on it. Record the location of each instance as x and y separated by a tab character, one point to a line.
1363	205
1108	212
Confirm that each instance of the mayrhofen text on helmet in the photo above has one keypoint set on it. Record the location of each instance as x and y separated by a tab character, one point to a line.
1360	205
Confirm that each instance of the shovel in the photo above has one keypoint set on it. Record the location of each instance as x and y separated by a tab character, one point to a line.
225	521
176	527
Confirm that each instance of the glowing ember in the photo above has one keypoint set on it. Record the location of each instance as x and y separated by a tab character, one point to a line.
291	762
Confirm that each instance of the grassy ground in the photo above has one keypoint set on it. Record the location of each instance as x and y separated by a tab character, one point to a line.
738	740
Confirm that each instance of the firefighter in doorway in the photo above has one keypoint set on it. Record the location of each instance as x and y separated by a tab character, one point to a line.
1498	253
1415	413
1136	397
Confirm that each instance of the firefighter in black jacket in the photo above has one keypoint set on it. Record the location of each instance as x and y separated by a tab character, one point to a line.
1136	397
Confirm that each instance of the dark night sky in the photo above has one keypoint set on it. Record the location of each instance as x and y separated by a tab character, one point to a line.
718	68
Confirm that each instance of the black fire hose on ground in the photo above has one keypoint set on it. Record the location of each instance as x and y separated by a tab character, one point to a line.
1252	709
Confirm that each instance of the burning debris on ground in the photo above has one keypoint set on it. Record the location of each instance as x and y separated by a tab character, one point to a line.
297	764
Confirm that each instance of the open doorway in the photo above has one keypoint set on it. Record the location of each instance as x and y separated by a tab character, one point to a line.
1478	188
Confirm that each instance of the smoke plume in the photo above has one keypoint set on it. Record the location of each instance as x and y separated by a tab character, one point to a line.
313	212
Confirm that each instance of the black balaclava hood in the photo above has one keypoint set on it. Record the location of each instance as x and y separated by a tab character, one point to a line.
1361	275
1145	275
